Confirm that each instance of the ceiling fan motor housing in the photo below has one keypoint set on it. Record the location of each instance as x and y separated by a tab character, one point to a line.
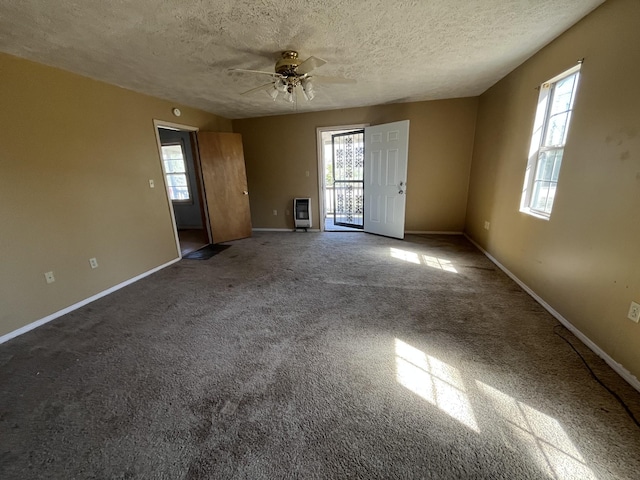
288	63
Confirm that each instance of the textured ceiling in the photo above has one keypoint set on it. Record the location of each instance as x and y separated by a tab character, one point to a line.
181	50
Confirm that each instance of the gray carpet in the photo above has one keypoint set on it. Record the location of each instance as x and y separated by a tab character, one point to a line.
308	355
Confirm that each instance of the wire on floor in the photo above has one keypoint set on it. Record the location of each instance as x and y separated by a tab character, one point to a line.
614	394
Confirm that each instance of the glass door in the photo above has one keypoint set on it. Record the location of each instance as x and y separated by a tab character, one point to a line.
348	178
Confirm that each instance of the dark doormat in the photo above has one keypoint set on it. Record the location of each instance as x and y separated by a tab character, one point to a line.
205	253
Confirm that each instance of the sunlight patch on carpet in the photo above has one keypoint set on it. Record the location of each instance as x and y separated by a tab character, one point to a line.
545	438
435	381
421	259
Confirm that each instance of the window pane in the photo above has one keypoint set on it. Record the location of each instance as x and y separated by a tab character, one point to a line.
177	180
170	152
541	192
179	193
557	129
539	195
551	194
545	167
563	94
549	162
557	161
174	166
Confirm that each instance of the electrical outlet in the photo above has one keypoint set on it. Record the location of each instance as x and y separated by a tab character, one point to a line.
49	277
93	262
634	312
486	225
275	212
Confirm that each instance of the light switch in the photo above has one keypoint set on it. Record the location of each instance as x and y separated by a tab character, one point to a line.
152	184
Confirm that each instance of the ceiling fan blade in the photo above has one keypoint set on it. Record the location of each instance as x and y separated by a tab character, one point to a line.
266	86
323	79
309	64
273	74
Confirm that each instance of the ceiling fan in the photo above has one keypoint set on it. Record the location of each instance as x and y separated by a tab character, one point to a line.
291	76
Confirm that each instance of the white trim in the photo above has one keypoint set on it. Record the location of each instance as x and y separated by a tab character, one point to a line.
431	232
320	159
566	73
82	303
174	126
283	229
273	229
618	368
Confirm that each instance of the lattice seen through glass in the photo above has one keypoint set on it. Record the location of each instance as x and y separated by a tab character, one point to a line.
348	176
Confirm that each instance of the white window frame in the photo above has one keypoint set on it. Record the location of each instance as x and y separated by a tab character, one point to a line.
538	140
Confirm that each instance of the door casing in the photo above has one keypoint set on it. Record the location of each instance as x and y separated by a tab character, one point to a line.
196	159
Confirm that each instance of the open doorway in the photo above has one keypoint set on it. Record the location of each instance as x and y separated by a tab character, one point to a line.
182	178
340	177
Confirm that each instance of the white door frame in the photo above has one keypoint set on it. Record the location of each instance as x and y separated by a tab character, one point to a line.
319	146
172	126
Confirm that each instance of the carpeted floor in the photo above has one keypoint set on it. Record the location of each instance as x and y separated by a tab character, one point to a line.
308	355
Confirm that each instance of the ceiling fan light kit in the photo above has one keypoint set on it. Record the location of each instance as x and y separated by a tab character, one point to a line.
292	76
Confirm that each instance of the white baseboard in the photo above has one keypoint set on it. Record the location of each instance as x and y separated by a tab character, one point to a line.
618	368
409	232
430	232
283	229
82	303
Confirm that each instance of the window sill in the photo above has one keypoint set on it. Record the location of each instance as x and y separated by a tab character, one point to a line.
534	214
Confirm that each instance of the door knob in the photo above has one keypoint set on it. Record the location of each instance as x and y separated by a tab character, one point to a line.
244	192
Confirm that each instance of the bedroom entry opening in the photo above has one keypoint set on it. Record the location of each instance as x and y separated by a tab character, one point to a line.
341	178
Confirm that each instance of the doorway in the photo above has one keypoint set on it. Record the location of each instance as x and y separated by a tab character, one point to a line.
196	162
348	179
377	157
182	182
341	199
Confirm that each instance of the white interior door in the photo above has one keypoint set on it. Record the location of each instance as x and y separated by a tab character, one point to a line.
385	170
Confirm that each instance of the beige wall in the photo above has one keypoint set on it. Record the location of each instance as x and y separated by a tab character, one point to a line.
76	159
585	260
279	150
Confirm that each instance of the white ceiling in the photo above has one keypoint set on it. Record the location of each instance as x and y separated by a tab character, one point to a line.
181	50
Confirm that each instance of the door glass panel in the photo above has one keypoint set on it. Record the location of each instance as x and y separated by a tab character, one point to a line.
348	178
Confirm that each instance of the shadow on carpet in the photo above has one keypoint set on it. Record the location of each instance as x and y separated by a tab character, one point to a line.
205	253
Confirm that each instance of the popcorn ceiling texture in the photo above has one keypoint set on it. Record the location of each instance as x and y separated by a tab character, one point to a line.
181	50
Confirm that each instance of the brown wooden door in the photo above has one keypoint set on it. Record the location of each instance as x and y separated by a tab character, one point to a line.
225	185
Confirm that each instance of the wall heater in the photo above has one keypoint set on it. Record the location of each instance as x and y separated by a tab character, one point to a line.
302	212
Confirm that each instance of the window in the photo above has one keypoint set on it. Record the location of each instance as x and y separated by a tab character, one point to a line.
553	115
175	169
